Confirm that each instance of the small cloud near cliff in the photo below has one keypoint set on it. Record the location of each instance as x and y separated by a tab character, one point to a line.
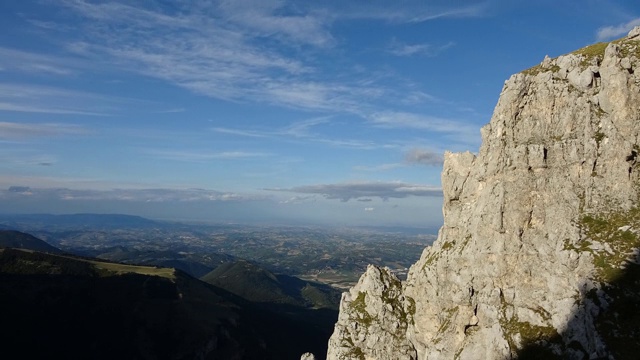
424	157
615	31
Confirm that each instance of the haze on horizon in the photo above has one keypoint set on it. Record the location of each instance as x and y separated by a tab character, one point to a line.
262	110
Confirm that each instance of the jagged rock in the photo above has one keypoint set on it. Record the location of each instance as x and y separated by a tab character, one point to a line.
635	32
374	315
534	227
308	356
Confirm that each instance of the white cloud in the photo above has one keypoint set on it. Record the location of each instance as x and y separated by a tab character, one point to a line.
360	190
615	31
369	209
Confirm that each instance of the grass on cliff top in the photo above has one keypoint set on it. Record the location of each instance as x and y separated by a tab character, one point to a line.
590	52
594	51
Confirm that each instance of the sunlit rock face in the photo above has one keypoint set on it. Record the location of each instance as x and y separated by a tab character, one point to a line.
538	252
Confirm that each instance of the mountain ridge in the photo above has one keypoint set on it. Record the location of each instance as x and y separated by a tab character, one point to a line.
18	239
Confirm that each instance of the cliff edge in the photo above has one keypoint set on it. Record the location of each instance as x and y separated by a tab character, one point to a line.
538	254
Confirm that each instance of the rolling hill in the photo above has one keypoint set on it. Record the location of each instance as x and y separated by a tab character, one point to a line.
17	239
257	284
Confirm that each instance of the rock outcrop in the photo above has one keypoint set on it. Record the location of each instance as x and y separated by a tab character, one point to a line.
538	254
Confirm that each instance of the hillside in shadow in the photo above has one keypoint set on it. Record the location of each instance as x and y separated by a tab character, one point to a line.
72	308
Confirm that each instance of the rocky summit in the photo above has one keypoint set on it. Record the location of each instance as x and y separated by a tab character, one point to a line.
538	254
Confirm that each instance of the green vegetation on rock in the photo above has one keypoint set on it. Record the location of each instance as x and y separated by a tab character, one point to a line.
591	52
359	306
613	230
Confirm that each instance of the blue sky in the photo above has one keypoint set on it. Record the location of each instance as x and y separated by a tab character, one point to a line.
267	111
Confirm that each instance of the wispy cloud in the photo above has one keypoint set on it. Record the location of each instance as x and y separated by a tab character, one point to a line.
381	167
285	21
457	130
54	100
17	60
462	133
415	11
30	98
127	195
302	131
248	50
610	32
19	131
358	190
424	49
400	119
203	156
302	128
20	156
34	108
298	199
197	48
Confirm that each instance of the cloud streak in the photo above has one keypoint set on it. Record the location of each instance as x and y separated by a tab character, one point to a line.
366	190
22	61
203	156
127	195
414	11
424	49
453	129
302	131
20	131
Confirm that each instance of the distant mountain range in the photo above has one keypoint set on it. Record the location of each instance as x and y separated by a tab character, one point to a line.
17	221
63	306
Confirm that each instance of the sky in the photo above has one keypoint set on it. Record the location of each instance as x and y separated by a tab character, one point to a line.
262	111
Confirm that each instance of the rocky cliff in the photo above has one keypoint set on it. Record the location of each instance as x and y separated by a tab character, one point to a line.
538	254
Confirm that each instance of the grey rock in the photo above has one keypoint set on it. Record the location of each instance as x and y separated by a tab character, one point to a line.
635	32
308	356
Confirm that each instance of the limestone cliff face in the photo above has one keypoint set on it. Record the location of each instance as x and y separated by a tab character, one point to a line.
541	229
